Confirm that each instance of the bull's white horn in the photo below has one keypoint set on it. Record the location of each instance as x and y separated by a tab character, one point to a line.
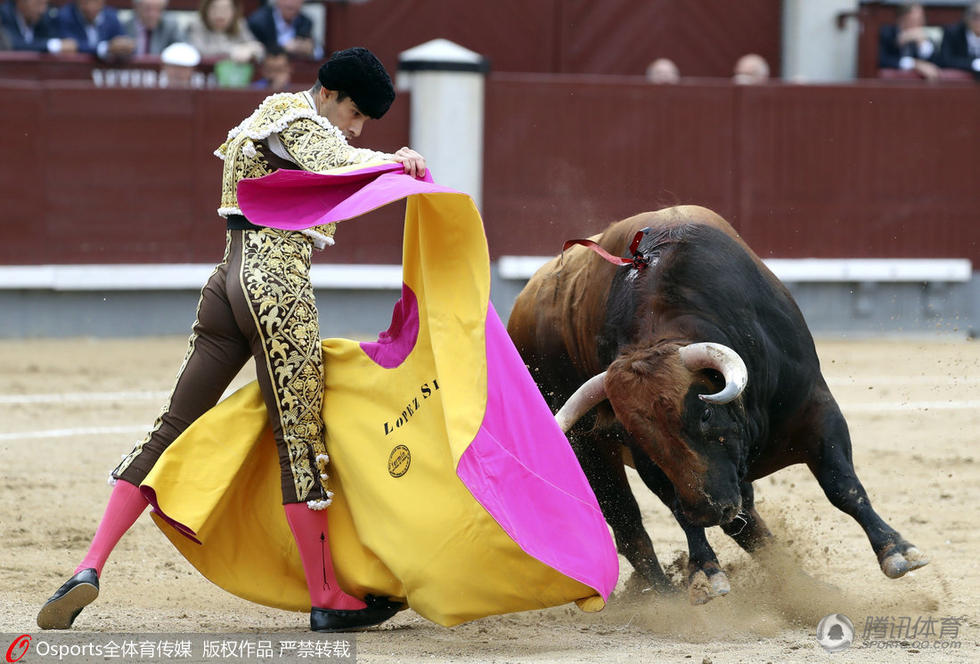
709	355
592	392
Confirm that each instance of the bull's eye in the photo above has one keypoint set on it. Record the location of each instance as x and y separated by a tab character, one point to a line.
705	418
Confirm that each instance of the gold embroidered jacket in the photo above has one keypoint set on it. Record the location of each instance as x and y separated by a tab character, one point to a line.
285	131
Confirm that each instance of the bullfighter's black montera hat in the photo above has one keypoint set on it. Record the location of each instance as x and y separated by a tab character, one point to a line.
361	75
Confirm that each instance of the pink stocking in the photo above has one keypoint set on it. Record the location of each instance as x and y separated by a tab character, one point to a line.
126	503
310	530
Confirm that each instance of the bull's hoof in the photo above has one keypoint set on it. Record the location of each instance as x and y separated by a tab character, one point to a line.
898	564
705	588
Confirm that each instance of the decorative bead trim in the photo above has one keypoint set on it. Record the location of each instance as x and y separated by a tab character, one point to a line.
318	505
263	132
320	241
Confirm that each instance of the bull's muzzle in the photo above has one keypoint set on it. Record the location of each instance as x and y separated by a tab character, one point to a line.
712	512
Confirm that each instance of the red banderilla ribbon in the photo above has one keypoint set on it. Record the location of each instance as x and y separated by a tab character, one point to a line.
638	260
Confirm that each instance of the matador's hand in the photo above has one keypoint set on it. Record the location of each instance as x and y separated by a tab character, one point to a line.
413	162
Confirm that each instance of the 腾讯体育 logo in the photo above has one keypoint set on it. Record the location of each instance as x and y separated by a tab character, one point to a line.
835	632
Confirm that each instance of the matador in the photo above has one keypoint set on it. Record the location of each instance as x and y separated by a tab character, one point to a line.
258	303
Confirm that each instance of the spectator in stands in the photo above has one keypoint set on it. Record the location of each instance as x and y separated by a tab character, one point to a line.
96	28
663	71
282	22
751	69
177	67
4	39
31	26
218	30
151	28
961	43
277	71
906	45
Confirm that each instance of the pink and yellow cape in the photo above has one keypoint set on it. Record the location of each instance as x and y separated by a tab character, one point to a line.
454	488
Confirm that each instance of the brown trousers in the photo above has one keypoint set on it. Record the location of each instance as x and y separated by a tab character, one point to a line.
258	303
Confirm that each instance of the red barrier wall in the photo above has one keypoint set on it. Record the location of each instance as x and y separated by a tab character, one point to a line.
868	170
567	155
860	171
127	175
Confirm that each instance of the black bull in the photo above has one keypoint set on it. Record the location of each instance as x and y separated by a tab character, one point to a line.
700	421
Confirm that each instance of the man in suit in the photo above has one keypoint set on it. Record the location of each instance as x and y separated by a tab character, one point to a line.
283	23
96	28
906	45
961	43
151	29
30	26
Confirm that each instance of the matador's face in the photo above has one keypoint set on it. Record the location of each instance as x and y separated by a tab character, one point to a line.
344	115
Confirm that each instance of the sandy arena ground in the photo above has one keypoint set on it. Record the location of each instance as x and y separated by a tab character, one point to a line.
914	416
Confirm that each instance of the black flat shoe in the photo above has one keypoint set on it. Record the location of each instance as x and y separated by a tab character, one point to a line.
60	610
377	611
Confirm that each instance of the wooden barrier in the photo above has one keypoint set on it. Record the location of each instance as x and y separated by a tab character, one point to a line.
128	175
868	170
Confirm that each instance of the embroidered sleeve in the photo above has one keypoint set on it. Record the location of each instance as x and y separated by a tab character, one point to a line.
317	148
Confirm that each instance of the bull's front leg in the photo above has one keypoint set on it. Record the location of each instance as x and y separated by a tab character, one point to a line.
602	464
831	463
706	580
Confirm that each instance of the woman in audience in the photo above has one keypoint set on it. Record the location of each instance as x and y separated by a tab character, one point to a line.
219	31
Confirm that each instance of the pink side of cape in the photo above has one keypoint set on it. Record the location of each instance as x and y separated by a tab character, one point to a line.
395	343
521	458
295	200
150	494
